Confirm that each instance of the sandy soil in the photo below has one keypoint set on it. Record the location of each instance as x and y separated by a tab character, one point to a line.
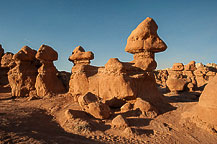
44	121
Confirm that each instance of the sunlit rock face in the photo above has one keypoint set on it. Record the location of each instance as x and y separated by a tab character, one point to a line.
79	56
23	76
144	42
120	82
47	82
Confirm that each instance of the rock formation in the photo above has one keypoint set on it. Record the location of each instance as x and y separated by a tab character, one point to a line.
47	82
22	77
191	77
79	56
7	63
206	109
119	82
143	42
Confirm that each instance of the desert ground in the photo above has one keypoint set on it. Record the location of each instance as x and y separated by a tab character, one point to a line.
39	121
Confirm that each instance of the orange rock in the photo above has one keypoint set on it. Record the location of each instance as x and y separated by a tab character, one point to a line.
119	122
146	108
79	56
119	82
47	82
190	66
144	42
23	76
178	67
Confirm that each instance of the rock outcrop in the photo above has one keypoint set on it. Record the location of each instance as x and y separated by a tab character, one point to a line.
119	82
206	109
23	76
47	82
191	77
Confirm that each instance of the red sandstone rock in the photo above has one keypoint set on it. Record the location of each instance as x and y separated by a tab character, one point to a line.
178	67
190	66
23	76
119	82
144	42
47	82
146	108
79	56
119	122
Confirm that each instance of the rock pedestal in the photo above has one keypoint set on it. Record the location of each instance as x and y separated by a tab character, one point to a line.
47	82
119	82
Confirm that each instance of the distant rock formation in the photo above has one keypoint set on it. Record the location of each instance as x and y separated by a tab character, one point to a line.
118	83
191	77
22	77
47	82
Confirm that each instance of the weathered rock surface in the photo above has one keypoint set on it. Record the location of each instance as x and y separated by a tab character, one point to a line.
190	66
92	105
119	122
146	108
119	82
178	67
47	82
206	109
23	76
143	42
80	56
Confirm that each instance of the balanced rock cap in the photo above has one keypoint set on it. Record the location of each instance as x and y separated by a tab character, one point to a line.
145	38
25	54
46	53
80	54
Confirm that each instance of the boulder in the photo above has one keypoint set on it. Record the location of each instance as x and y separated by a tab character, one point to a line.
145	107
92	105
119	122
176	85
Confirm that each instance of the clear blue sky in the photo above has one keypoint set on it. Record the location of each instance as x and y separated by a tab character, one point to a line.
189	27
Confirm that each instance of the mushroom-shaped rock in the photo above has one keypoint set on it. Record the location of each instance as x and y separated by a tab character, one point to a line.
47	82
190	66
144	42
22	77
79	56
145	38
178	67
46	53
